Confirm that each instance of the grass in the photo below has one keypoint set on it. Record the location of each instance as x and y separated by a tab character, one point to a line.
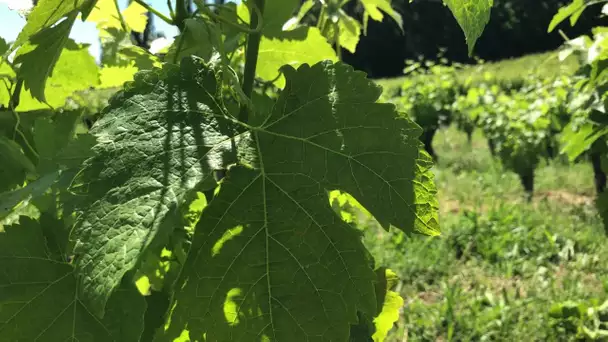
501	263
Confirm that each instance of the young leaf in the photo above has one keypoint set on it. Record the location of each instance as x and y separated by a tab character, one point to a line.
74	70
39	297
105	14
374	9
565	12
303	45
48	12
276	14
136	17
116	76
472	16
156	142
389	303
269	257
350	31
39	56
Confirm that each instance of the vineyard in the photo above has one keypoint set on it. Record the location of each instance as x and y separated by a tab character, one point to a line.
241	182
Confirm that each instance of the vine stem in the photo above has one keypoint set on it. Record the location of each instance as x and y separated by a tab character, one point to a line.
204	9
123	23
251	57
156	12
181	13
337	39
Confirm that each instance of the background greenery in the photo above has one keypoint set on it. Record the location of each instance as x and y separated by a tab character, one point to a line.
502	266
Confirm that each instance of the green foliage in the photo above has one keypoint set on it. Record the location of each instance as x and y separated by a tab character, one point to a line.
501	264
427	95
198	203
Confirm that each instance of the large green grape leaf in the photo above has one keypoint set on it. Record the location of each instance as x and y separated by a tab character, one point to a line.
303	45
472	16
155	142
39	300
164	135
46	13
270	259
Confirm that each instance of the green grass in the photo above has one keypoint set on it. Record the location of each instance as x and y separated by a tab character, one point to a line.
501	262
542	65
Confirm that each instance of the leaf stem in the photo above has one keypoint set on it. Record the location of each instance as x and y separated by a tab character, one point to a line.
123	23
170	7
203	7
156	12
181	13
13	103
337	41
251	57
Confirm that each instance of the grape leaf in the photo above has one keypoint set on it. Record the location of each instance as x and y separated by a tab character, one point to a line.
294	21
572	11
136	17
472	16
269	258
162	124
46	13
276	14
3	46
374	9
39	56
199	38
39	300
15	165
116	76
349	30
302	45
51	136
74	70
389	303
105	14
8	200
325	132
